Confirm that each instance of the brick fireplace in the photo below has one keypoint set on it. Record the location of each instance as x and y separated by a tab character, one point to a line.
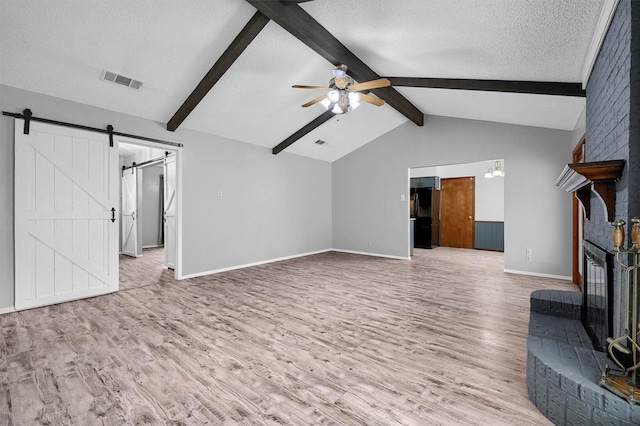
613	122
597	291
563	367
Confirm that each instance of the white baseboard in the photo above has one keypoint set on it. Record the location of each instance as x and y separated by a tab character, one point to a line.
248	265
7	310
537	274
372	254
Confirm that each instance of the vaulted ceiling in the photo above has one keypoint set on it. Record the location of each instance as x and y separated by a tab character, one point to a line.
226	67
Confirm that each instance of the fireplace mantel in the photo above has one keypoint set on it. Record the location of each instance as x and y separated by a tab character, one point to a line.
599	177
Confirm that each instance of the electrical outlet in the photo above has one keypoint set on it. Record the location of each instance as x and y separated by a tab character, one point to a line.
528	257
369	243
402	197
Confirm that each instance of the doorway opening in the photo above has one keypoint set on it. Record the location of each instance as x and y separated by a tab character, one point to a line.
150	200
480	224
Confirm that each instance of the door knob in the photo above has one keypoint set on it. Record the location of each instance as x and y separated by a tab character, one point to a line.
469	217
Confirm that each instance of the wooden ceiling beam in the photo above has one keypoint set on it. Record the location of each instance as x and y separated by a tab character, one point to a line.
528	87
239	44
301	25
326	116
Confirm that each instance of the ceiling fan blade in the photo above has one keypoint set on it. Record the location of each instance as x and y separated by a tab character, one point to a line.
371	99
301	86
313	102
368	85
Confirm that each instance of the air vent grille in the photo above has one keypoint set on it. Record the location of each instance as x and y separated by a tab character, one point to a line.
321	142
120	79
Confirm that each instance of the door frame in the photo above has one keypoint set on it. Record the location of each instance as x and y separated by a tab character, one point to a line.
178	152
578	220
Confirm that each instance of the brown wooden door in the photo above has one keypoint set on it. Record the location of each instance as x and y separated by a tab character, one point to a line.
578	221
457	207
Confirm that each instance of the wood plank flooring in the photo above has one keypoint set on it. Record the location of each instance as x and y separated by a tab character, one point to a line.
329	339
141	271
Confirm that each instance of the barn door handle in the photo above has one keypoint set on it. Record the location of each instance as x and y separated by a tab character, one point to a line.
133	215
113	214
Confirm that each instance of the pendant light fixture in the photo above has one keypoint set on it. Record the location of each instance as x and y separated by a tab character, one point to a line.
494	172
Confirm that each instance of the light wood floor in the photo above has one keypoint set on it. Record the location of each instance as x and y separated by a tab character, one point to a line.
327	339
142	271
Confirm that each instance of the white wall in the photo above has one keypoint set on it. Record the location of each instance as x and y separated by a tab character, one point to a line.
489	193
580	130
368	185
272	206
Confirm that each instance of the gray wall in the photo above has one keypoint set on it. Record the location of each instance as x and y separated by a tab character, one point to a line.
267	201
368	185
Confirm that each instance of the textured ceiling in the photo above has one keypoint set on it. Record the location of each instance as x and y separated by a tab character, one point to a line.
60	48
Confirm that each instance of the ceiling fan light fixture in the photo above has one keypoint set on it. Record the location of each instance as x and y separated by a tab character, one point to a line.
340	71
344	101
333	95
489	174
343	94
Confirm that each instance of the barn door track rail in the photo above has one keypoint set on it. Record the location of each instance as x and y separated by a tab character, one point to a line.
28	117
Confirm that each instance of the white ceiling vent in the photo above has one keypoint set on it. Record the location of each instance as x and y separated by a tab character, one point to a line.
321	142
120	79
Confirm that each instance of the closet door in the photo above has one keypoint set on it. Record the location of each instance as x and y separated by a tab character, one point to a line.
129	212
66	200
170	211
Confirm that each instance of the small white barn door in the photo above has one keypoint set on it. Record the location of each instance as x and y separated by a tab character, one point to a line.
170	211
66	196
129	212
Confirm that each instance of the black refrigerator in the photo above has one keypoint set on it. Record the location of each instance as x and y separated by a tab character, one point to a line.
425	208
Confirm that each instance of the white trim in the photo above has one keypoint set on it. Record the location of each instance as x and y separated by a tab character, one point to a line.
372	254
248	265
264	262
538	274
178	271
152	246
606	16
407	209
8	310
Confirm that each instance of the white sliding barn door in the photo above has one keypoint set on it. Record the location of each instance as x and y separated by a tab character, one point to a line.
169	213
129	212
66	196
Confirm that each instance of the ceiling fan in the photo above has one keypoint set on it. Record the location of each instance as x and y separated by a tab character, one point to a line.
344	93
